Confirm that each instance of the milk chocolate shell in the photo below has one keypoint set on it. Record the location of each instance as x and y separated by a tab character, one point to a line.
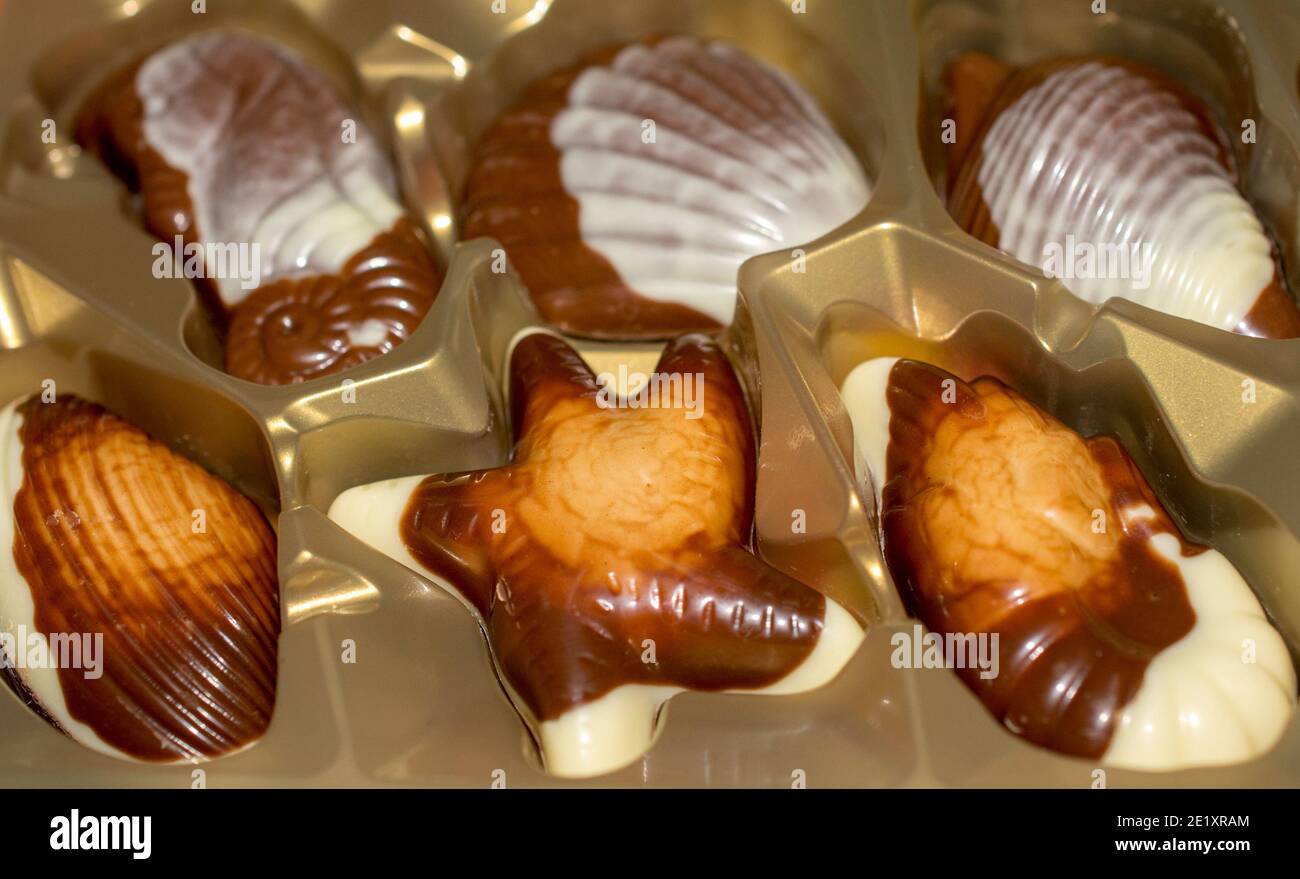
609	561
1105	174
1119	641
239	148
628	190
139	607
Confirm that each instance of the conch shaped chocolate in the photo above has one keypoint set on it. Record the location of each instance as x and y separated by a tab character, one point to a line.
628	190
1109	176
139	601
609	561
245	155
1117	639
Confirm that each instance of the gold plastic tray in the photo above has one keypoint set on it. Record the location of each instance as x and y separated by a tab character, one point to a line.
421	704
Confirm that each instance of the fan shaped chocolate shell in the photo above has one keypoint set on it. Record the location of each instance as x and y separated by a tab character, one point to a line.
1118	640
628	190
243	155
609	560
139	606
1109	176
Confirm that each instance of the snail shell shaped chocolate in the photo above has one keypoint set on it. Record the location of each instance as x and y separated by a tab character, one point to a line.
1118	640
165	627
299	328
627	191
609	560
1109	176
241	148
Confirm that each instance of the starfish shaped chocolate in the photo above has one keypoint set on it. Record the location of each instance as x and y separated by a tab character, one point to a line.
609	560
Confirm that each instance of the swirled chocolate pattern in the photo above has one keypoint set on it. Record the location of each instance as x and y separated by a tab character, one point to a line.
1118	639
613	528
1105	173
117	539
628	190
300	328
235	143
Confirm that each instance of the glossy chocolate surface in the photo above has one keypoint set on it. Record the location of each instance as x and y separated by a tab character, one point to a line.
515	194
628	189
1111	153
999	519
299	328
615	528
106	539
269	157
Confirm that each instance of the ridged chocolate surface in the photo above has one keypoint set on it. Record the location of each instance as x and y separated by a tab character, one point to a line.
614	527
105	539
629	189
232	140
999	519
1108	153
300	328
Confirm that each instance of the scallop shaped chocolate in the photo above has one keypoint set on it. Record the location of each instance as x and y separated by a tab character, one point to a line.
628	190
1117	640
1107	175
139	607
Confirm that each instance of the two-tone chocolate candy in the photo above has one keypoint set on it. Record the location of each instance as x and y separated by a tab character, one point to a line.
1106	174
1118	640
609	561
139	605
243	154
628	190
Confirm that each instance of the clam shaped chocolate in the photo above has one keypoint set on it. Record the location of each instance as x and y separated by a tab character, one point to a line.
1109	176
628	190
139	609
273	196
1118	640
609	560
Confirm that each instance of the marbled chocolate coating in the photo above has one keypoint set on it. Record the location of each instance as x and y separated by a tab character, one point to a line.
981	538
105	543
629	189
1117	639
612	528
231	140
1108	153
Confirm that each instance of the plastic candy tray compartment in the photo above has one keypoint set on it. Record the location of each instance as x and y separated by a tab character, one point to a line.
421	705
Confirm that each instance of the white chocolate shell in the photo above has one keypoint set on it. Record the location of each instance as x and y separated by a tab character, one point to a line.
628	190
678	214
272	158
1100	163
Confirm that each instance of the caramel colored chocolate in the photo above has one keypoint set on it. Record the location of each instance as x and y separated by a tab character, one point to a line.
990	514
268	162
111	125
1115	161
611	527
105	539
1274	315
299	328
974	82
